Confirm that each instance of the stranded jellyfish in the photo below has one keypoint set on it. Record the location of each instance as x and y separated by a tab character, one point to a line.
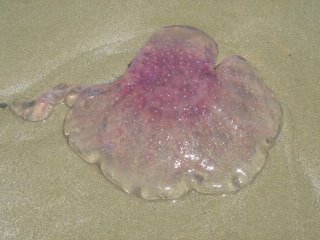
174	122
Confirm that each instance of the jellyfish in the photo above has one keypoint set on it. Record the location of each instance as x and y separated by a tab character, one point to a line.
174	122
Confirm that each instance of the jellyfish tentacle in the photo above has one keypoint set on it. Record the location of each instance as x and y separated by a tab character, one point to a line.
41	107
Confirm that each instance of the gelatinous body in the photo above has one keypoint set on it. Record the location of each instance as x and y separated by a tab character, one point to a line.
173	122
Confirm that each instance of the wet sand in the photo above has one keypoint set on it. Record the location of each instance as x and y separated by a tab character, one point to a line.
48	192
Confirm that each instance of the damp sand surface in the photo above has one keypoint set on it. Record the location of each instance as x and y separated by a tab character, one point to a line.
48	192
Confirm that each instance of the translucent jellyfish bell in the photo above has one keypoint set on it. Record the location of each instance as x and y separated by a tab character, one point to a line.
174	121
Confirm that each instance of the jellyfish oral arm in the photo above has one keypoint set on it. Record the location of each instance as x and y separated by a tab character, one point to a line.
41	107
